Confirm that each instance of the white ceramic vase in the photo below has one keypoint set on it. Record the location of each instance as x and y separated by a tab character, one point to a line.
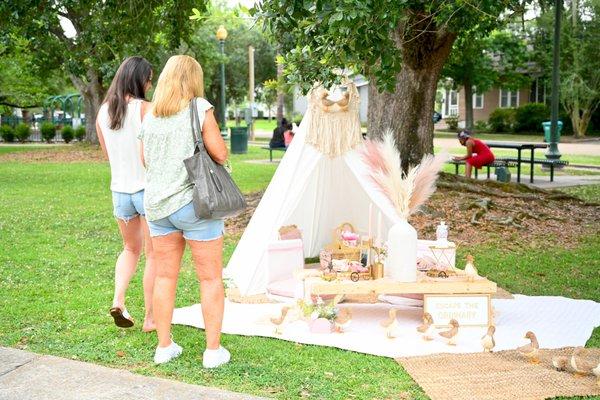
401	260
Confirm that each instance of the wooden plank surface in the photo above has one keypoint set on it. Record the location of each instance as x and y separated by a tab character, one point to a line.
318	286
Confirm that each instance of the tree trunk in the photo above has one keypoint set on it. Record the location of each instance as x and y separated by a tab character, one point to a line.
26	115
280	96
580	119
92	92
92	103
408	112
468	104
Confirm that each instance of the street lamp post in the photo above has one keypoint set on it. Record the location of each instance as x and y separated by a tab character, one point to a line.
553	153
221	36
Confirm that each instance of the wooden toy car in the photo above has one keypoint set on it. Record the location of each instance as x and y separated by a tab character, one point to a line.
439	273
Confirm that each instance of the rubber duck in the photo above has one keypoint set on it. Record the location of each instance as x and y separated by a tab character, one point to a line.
343	319
580	365
451	333
470	270
390	325
487	341
531	350
560	363
427	329
278	321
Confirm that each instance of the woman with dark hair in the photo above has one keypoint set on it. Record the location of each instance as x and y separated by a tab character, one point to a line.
278	140
118	123
478	153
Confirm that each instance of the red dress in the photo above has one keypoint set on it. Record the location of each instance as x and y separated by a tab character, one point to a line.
482	155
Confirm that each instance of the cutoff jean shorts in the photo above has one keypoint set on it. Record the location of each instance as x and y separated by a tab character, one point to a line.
193	228
127	206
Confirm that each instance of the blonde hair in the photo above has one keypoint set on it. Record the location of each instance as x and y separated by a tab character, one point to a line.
179	82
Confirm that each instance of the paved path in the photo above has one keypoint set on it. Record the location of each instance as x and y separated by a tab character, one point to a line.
28	376
591	148
588	148
560	181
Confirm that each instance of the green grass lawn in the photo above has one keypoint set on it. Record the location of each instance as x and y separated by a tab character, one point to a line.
259	124
15	148
59	242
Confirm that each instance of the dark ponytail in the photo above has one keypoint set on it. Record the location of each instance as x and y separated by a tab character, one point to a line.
131	79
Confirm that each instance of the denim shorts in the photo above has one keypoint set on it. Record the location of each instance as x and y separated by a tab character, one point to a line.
127	206
185	220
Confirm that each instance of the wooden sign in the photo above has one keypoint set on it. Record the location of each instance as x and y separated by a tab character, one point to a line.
468	310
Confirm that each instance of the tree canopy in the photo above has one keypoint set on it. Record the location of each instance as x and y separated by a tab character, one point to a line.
400	46
106	32
476	61
243	31
23	83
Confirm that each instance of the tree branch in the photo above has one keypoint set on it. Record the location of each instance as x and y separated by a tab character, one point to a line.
9	104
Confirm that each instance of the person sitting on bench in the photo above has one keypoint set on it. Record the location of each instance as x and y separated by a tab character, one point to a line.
277	140
478	153
288	134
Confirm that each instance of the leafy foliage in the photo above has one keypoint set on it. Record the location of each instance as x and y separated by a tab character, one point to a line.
267	93
22	132
481	126
80	133
242	33
48	131
452	122
579	61
105	33
24	83
8	133
502	119
529	117
482	61
67	133
320	38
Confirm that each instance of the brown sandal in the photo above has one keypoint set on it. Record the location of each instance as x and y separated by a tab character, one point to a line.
121	317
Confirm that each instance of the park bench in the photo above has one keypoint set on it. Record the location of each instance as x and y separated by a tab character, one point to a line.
271	149
543	161
495	163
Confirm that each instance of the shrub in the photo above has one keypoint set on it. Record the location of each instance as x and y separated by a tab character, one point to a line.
567	123
7	133
452	122
481	126
529	117
22	132
48	130
80	133
502	119
67	133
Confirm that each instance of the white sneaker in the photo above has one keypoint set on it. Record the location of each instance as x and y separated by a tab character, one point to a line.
215	358
166	354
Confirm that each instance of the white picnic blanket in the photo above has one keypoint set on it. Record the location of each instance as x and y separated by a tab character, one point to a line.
556	321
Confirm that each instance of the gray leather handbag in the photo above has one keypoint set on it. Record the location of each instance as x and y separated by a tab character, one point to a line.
215	194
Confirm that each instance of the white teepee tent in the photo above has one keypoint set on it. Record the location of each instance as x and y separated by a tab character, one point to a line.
315	192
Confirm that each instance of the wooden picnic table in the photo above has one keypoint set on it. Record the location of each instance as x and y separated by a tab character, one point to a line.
520	147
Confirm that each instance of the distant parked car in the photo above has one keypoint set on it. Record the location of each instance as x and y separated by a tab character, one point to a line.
437	117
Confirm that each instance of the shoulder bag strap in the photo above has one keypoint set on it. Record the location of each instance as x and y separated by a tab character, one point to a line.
196	129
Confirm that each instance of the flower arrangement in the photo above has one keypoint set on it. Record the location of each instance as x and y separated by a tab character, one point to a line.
319	309
407	191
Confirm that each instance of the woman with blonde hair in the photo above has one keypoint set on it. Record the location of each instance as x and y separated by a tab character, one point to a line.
118	124
166	141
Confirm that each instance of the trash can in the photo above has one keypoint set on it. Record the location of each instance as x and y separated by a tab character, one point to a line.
548	131
239	140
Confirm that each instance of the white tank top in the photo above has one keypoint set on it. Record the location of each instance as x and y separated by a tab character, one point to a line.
127	171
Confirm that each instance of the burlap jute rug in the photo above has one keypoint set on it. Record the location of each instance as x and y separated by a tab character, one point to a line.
498	376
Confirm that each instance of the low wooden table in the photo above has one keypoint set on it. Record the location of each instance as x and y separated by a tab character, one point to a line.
450	297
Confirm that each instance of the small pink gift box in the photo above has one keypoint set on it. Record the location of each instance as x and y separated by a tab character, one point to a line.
320	325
